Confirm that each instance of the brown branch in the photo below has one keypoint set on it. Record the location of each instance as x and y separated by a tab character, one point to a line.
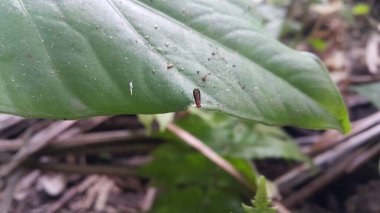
364	157
82	140
9	120
334	138
83	169
326	159
280	207
148	200
332	173
36	143
85	184
9	191
10	145
98	137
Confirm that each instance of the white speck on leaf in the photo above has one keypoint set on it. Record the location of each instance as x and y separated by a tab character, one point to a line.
131	87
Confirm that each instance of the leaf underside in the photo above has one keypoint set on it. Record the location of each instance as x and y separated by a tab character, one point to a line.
74	59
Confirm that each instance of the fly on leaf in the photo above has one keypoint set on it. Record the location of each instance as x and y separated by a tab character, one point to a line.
197	98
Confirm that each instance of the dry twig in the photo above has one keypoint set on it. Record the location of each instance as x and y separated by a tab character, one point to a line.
147	203
36	143
84	185
84	169
326	159
9	190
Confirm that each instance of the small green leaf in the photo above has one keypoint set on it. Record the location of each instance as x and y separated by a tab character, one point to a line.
361	9
261	203
147	121
163	120
318	44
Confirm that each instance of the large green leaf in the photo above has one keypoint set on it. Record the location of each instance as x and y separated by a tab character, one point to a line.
73	59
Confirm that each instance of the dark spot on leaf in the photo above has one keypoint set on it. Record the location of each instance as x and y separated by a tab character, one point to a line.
169	65
204	78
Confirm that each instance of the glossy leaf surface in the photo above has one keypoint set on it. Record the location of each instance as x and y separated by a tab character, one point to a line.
72	59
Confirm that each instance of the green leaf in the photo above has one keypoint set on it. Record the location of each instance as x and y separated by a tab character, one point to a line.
176	164
245	168
163	121
191	183
261	203
236	138
361	9
370	91
73	59
194	199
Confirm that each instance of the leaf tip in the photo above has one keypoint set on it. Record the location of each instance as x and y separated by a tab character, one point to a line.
345	126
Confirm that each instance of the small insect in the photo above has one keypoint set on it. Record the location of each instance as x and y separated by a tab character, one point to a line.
197	98
169	65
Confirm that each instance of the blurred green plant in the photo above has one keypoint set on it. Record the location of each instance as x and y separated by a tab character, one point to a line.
236	138
361	9
191	183
182	173
232	137
318	44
